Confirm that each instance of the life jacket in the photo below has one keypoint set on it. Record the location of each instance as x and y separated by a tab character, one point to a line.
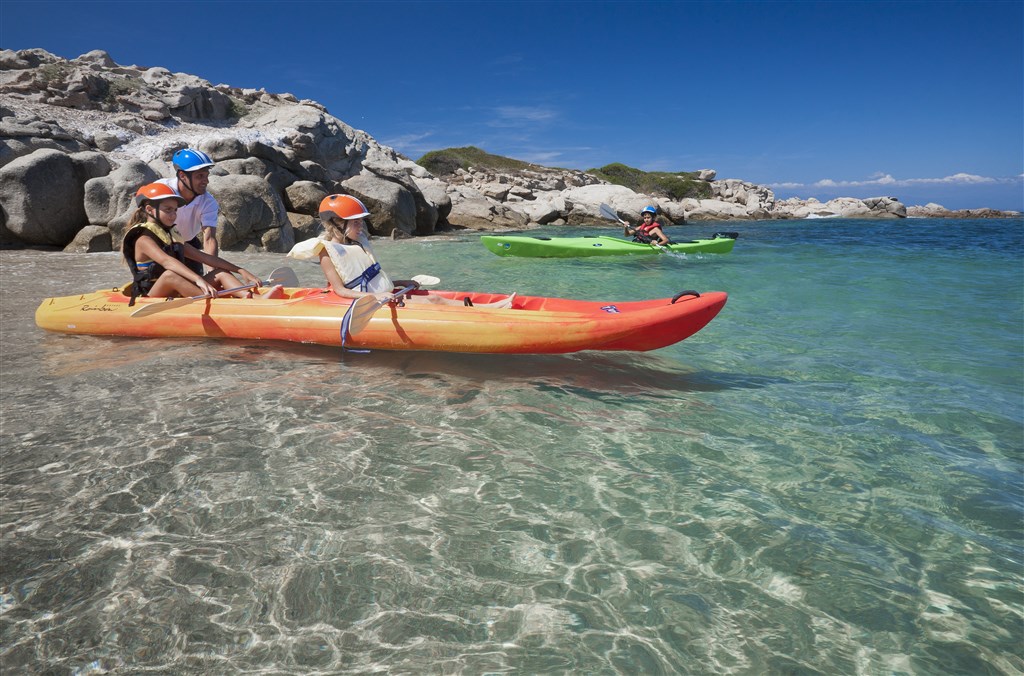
144	275
355	263
642	232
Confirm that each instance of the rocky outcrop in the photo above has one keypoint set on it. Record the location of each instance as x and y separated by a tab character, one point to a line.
932	210
78	137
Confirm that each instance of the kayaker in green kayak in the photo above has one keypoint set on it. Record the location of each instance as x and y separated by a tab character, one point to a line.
648	231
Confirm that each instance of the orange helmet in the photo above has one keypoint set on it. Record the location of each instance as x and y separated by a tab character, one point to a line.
154	192
344	207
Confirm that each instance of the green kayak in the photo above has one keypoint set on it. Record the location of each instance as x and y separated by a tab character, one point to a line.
577	247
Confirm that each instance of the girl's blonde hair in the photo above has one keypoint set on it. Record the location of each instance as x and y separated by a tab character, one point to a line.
140	215
333	227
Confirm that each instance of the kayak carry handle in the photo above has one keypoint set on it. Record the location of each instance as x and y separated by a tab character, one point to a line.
688	292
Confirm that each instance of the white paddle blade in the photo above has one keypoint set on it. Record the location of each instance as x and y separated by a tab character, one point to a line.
284	276
426	280
361	311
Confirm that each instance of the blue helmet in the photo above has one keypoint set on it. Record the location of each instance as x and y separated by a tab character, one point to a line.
191	160
649	210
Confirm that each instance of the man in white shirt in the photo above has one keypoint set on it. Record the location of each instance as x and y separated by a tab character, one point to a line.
197	219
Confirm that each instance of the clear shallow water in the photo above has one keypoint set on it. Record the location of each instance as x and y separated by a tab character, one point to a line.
827	479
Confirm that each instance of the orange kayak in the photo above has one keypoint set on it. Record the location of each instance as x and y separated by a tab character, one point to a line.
533	325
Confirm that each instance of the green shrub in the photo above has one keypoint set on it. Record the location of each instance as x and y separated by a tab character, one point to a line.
673	184
52	73
119	86
237	108
445	162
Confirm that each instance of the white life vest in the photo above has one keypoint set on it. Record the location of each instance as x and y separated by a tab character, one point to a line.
355	264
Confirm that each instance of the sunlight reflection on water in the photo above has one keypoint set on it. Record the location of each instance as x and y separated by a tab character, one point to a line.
754	500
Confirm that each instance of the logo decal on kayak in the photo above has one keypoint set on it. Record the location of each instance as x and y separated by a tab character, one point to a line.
611	309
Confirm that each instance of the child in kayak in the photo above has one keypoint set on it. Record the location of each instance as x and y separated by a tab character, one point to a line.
348	262
648	231
156	253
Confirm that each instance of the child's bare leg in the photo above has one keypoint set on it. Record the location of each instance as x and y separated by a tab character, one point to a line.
172	284
226	280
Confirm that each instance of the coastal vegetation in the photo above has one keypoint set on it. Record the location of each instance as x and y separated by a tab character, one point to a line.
675	185
446	162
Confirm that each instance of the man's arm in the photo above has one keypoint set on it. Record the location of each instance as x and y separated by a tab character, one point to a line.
208	221
210	240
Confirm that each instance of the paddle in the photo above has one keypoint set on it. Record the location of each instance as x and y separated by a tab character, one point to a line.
362	309
283	276
608	212
426	280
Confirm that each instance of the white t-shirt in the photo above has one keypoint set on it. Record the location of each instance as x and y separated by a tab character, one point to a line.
198	214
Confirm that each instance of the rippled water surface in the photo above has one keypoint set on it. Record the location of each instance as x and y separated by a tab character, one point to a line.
826	479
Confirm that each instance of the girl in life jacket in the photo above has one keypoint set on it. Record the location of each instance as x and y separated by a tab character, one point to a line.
347	260
648	231
156	254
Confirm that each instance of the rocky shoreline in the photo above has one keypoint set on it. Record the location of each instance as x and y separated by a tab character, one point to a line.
79	136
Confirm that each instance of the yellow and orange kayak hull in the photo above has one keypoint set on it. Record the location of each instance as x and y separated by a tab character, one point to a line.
533	325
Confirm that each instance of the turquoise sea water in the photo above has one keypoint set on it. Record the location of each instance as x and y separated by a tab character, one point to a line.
826	479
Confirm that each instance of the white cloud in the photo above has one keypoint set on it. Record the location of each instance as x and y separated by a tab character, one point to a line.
543	157
883	179
406	140
514	116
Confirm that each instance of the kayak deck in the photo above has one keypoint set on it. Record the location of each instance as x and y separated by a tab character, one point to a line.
533	325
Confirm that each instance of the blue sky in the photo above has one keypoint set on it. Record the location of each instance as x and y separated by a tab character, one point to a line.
920	100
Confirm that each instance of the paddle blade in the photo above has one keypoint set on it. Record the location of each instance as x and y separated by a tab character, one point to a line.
360	312
284	276
608	212
362	309
426	280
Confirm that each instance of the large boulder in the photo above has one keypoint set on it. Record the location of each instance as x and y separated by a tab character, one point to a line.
109	200
252	215
427	213
321	138
274	174
545	210
42	196
392	207
715	210
886	207
435	192
480	213
90	239
586	203
304	227
304	197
